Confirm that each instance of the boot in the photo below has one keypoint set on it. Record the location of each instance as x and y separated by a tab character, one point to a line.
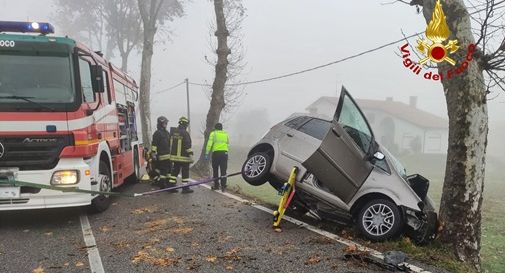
187	190
169	185
215	187
223	187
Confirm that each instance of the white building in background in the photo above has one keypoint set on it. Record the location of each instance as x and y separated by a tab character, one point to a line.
401	127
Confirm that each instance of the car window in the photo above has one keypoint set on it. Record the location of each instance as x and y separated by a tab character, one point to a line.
316	128
86	86
296	122
355	124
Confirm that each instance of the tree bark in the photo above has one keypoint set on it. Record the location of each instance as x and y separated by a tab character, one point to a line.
149	16
460	209
217	102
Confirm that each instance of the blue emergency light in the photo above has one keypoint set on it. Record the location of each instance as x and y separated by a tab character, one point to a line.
26	27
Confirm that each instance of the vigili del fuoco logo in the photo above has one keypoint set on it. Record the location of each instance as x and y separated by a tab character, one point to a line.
437	49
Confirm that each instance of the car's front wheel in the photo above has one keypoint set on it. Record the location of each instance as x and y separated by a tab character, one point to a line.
256	169
379	220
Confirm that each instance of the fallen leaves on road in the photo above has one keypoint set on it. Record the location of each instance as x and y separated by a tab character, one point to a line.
166	261
39	269
229	267
143	210
351	248
232	254
182	230
48	233
79	264
211	259
313	260
121	244
169	249
105	228
224	238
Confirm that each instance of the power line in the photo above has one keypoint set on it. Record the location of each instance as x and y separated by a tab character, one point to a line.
316	67
170	88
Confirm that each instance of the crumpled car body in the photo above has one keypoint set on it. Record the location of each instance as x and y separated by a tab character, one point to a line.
344	174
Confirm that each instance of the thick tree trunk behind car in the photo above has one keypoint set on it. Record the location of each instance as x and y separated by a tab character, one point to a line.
217	102
460	209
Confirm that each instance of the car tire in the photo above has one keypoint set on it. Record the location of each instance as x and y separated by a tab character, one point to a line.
379	220
256	169
102	202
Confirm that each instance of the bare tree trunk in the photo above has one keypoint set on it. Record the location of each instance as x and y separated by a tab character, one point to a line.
217	102
145	84
149	12
124	62
460	209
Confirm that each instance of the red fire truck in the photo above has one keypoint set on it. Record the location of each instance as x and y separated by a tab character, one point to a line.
68	118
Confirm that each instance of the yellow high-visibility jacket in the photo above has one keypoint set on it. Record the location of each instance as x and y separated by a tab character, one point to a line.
218	142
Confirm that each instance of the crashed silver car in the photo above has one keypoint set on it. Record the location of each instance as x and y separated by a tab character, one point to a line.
344	174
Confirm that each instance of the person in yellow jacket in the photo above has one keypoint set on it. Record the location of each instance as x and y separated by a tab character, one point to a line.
218	145
181	153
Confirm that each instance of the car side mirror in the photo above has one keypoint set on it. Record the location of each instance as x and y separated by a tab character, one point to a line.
379	156
97	78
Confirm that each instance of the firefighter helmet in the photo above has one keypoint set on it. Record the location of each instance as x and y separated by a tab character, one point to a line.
183	121
162	120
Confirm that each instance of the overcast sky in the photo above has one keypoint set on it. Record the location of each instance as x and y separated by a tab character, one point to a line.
282	36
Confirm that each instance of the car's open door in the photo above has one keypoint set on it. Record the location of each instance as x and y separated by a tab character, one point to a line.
342	162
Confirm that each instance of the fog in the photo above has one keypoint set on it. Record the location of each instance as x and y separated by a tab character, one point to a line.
280	37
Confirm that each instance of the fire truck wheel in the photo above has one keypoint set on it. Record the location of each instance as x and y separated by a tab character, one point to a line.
136	165
102	202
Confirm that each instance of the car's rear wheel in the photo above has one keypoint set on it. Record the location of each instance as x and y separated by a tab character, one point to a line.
379	220
256	169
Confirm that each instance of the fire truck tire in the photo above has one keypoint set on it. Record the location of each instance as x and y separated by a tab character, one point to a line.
102	202
136	165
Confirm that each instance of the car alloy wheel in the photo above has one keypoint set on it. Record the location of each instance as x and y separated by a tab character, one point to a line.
256	169
255	166
378	219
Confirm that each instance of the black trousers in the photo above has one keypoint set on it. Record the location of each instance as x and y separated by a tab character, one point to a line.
164	166
180	167
219	163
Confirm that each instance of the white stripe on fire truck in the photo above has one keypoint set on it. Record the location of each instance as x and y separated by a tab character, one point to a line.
100	116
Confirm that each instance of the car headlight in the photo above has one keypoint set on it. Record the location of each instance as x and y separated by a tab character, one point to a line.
65	177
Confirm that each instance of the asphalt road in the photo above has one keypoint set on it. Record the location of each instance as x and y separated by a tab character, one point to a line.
199	232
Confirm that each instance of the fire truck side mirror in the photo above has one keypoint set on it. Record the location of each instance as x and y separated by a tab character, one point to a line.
97	74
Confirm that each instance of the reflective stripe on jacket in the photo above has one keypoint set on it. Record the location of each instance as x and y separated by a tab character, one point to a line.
218	142
161	144
180	145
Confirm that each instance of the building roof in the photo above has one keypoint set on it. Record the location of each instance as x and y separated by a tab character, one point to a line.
397	109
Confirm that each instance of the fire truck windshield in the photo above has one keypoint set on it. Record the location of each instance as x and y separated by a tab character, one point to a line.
36	82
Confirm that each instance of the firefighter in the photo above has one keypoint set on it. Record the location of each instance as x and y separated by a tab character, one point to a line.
160	151
218	146
181	153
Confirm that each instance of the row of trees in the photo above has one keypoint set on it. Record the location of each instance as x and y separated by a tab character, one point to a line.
128	25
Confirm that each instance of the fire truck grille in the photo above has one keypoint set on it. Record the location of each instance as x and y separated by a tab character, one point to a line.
32	152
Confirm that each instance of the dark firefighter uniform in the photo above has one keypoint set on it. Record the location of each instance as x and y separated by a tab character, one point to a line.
181	153
218	145
160	151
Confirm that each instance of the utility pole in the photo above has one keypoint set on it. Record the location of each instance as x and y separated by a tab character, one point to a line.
187	102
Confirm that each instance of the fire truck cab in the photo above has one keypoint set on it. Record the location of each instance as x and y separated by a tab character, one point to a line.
68	118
